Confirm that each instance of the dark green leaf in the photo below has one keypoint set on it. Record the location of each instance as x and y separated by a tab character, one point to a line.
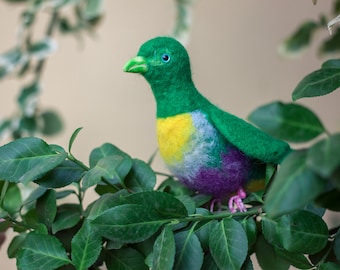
125	259
141	177
336	247
62	175
189	254
269	231
209	263
41	252
203	233
331	45
290	121
111	168
295	185
228	244
12	200
324	156
86	247
302	232
331	63
129	223
165	204
68	215
318	83
170	185
27	159
267	257
164	250
294	258
16	245
329	200
103	151
52	123
329	266
248	264
47	207
301	38
188	202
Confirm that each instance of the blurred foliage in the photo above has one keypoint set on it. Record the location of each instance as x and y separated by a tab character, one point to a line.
303	36
135	225
26	60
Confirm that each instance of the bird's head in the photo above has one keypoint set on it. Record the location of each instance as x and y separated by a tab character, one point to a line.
162	61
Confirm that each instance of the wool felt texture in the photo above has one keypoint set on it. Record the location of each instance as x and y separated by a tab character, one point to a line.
208	149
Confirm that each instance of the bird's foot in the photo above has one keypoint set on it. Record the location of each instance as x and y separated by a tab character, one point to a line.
235	202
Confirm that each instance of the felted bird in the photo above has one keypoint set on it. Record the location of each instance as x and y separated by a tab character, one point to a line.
211	151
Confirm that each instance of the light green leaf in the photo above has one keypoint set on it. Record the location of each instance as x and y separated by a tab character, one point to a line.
73	138
12	200
27	159
302	232
164	250
189	253
294	186
228	244
318	83
28	98
103	151
16	245
249	226
129	223
41	252
112	168
165	204
125	259
93	9
290	121
43	48
141	177
86	246
52	123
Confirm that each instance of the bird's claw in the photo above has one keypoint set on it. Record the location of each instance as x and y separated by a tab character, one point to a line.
235	202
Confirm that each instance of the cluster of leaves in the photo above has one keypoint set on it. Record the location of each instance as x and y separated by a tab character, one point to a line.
28	56
302	37
133	225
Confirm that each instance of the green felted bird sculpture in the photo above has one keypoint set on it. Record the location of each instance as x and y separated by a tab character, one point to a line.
209	150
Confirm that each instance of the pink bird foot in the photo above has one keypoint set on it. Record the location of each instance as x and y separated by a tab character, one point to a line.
235	202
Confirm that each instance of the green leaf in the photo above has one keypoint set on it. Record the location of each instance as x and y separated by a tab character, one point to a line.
43	48
323	157
27	159
68	215
318	83
203	233
189	253
103	151
47	207
331	63
16	245
164	250
73	137
106	202
336	247
172	186
267	257
86	247
93	9
249	226
166	205
52	123
300	39
302	232
331	45
12	200
41	252
290	121
329	200
329	266
209	263
62	175
296	259
111	168
295	185
129	223
141	177
34	195
228	244
28	98
125	259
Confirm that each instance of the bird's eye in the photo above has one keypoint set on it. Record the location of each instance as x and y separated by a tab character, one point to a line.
165	57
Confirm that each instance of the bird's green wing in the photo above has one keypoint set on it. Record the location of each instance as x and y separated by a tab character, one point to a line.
249	139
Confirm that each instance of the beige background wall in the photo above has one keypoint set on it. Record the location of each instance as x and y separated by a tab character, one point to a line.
235	63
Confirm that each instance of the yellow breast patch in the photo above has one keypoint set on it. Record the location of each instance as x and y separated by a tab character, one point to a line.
173	136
